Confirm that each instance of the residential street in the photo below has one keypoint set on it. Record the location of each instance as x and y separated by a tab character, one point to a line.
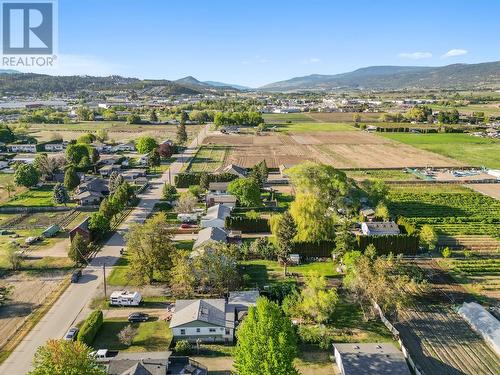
72	305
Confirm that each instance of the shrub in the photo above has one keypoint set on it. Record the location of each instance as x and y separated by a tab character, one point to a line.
247	225
90	327
184	180
182	347
315	335
446	253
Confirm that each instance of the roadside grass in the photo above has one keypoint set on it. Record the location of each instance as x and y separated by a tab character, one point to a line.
263	272
153	335
472	150
314	127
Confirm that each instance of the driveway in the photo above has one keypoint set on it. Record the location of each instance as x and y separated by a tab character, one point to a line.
72	306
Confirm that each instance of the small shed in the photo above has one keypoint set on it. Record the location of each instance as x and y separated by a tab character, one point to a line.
83	230
51	231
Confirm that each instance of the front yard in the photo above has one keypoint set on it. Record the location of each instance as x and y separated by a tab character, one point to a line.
154	335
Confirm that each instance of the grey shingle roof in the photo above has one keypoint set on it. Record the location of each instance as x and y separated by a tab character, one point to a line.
212	311
210	234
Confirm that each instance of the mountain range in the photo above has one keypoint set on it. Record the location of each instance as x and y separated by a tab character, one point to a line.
456	76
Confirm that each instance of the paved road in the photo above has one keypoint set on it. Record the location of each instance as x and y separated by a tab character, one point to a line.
72	305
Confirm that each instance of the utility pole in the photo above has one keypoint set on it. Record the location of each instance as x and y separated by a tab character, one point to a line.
104	273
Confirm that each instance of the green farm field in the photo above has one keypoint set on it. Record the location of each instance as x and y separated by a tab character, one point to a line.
492	109
208	158
451	210
475	151
306	127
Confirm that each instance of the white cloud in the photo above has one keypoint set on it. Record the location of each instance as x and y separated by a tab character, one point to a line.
314	60
454	52
77	65
415	55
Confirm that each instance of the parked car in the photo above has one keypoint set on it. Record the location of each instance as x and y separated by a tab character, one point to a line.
186	226
75	276
71	334
138	317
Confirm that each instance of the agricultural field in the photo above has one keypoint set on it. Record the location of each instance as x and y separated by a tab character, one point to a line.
319	117
491	109
117	131
474	151
208	159
382	174
35	197
340	148
452	210
479	275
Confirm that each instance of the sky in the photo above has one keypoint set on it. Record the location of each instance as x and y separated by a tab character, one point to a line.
257	42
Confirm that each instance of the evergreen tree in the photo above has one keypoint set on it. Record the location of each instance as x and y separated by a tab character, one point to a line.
154	159
181	133
71	179
285	232
152	116
60	194
79	249
115	180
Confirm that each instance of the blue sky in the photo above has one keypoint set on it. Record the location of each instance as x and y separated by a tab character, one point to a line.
258	42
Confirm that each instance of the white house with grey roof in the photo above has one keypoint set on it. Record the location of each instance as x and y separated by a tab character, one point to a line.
211	234
380	228
211	320
216	216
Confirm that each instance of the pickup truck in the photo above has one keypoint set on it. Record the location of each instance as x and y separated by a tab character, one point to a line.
103	354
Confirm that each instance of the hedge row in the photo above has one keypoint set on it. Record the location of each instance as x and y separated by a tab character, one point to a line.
322	249
405	130
396	244
247	225
90	327
186	179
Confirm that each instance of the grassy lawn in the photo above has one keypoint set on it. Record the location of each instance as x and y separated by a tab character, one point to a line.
32	198
475	151
208	159
151	336
306	127
262	272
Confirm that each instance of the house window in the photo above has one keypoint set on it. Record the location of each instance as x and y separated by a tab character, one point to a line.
183	331
228	331
211	329
198	330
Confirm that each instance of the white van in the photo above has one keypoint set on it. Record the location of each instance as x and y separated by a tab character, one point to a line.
125	298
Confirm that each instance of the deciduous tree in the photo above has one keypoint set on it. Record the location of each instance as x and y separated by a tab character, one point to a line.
428	237
78	249
145	144
267	344
26	175
247	190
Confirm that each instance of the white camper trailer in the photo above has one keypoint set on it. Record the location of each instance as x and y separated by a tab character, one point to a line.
125	298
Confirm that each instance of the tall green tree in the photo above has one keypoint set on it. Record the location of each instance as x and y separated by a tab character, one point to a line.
345	241
314	219
428	237
169	192
286	230
247	190
151	248
60	194
182	133
26	175
99	224
267	344
62	357
154	158
78	249
76	152
152	116
145	144
115	180
71	179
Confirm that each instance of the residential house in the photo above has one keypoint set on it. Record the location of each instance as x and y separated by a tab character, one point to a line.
89	198
82	229
22	148
207	235
218	187
106	170
223	199
26	159
110	159
370	359
123	147
95	184
233	169
216	216
380	228
133	174
150	363
211	320
54	147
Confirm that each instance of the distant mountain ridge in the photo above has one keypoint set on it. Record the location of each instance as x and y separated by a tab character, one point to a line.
456	76
193	82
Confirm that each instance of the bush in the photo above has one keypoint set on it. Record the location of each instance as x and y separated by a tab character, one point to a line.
90	327
182	347
446	253
315	335
184	180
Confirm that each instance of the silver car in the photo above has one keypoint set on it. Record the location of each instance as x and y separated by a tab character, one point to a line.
71	334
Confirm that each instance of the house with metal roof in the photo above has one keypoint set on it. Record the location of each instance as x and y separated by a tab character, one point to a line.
380	228
216	216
